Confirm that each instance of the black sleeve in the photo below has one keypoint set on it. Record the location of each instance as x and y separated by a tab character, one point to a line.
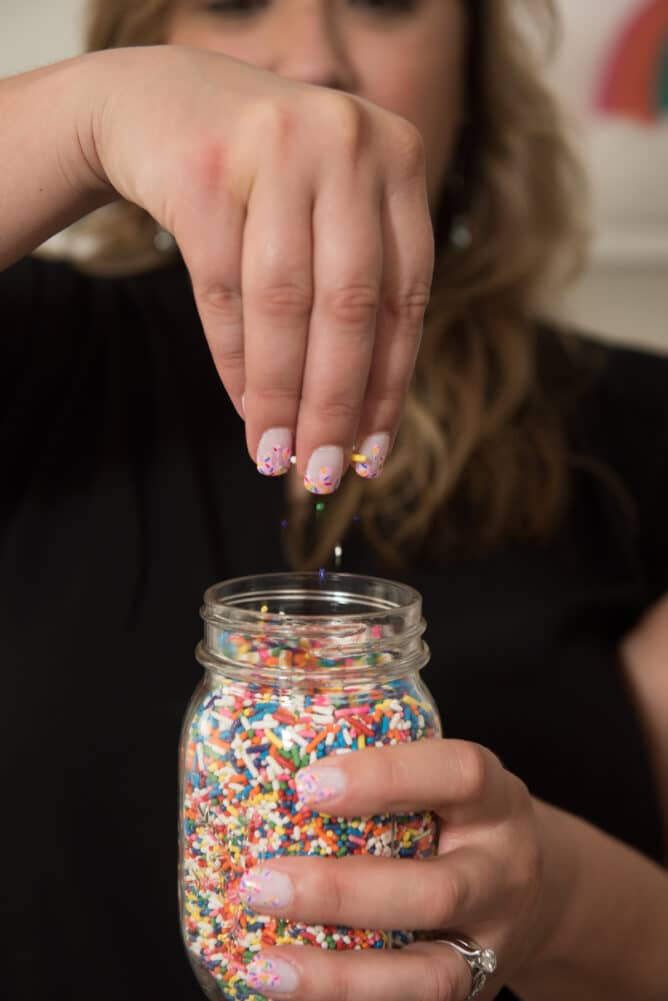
40	302
47	350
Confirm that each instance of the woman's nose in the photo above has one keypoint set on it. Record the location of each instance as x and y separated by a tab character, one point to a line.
310	48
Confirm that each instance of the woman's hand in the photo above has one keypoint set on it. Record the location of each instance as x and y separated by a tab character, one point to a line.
485	882
302	216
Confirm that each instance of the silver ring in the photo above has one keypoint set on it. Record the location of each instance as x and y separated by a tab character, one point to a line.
481	962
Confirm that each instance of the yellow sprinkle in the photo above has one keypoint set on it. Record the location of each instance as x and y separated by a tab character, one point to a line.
273	738
361	742
356	457
264	610
411	701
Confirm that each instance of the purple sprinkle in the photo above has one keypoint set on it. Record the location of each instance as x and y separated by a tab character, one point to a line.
322	573
284	523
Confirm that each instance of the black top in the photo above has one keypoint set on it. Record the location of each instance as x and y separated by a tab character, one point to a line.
126	490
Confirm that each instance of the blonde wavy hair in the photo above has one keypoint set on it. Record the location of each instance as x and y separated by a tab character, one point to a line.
482	457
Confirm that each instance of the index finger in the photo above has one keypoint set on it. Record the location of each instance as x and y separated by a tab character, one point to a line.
461	781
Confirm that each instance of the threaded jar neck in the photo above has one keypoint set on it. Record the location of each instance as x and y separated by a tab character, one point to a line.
301	628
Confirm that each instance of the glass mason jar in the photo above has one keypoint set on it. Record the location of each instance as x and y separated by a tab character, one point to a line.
297	666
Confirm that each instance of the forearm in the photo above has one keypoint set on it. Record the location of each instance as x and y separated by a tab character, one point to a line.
605	939
49	176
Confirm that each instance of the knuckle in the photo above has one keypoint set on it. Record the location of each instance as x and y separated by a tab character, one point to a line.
389	398
333	891
438	982
340	983
472	764
276	122
409	304
396	780
207	163
531	866
287	300
337	409
353	305
222	300
440	900
347	119
409	148
273	392
229	358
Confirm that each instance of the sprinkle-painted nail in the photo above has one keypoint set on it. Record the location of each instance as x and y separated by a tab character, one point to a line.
274	452
319	784
266	974
324	470
266	888
373	453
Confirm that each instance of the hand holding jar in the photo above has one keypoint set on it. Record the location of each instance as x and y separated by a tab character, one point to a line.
485	879
288	839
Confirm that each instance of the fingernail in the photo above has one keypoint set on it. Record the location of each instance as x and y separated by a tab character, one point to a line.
317	785
372	456
271	974
274	452
266	888
323	473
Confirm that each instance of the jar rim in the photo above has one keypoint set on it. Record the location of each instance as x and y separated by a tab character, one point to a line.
339	588
366	622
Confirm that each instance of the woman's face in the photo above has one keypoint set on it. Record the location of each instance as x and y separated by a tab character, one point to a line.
404	55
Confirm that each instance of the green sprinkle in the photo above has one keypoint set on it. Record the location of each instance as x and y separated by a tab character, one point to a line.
320	506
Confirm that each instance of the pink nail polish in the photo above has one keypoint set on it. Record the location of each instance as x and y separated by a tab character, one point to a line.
266	974
374	449
274	452
324	470
263	887
319	784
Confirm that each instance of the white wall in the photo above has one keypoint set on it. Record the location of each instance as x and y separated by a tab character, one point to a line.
625	291
35	32
624	294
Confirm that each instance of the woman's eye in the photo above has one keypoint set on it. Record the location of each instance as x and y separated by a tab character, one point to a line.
236	8
387	6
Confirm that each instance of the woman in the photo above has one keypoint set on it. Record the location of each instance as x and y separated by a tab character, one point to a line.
521	498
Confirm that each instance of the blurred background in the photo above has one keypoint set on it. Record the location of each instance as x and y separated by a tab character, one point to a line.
611	72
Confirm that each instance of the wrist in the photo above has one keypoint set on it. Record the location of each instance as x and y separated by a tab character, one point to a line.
559	880
92	79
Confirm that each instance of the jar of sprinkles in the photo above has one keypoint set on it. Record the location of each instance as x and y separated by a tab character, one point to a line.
298	666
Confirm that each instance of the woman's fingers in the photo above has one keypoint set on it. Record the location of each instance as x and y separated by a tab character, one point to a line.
451	890
278	299
408	252
347	269
425	971
463	782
